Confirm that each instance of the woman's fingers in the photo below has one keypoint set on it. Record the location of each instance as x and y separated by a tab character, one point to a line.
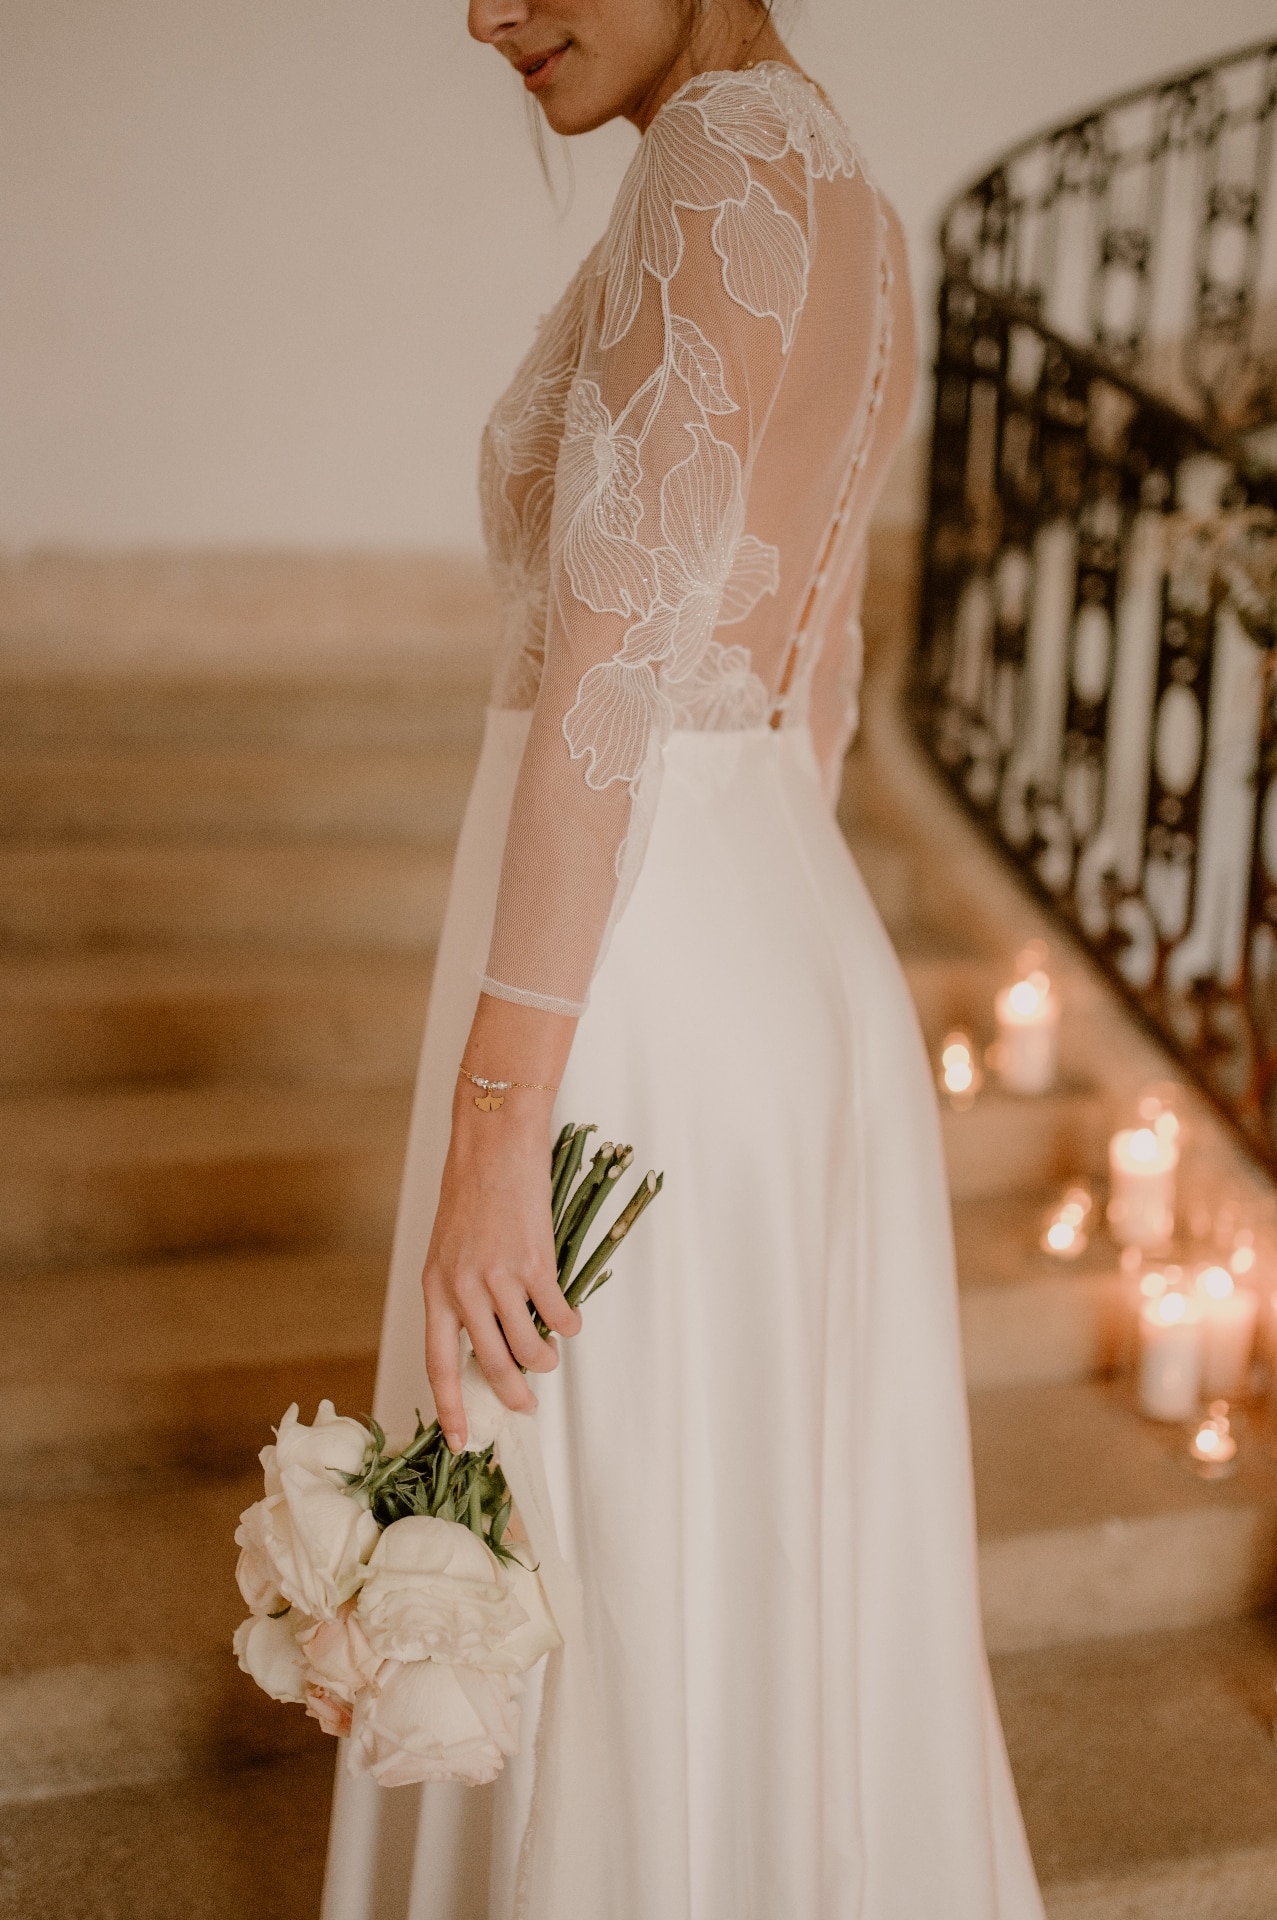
443	1369
493	1355
522	1338
547	1297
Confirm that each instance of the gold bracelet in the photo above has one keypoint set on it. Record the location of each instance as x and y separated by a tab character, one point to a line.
492	1093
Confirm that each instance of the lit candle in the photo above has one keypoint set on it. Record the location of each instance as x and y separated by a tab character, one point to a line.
1028	1034
1170	1374
1231	1314
1213	1448
1142	1164
1064	1234
960	1075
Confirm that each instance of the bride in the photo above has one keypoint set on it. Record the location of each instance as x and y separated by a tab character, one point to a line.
757	1457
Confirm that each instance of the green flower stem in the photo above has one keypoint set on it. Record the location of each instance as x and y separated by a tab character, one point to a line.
571	1167
575	1289
582	1216
559	1154
600	1169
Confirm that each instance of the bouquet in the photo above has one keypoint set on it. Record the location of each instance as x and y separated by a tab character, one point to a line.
386	1593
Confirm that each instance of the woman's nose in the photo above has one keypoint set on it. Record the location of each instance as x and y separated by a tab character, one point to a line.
492	20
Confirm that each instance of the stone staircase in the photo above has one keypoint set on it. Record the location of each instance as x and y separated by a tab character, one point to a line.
217	904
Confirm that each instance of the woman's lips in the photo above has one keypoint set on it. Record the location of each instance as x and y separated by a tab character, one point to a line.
534	78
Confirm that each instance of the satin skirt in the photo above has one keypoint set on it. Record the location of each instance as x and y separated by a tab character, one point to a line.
757	1447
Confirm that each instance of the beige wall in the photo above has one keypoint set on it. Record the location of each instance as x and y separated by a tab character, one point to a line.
264	264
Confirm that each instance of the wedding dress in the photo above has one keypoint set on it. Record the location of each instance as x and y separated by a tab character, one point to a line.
757	1447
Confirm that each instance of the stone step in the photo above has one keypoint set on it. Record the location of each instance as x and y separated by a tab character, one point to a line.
219	1845
1093	1524
121	1612
109	1374
127	1174
1010	1143
436	708
344	894
207	1013
1147	1772
303	792
1028	1317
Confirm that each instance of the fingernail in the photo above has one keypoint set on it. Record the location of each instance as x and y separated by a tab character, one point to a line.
455	1441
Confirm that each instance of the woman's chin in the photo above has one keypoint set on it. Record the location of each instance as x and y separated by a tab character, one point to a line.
568	113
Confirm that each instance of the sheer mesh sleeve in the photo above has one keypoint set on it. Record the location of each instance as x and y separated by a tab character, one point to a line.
691	308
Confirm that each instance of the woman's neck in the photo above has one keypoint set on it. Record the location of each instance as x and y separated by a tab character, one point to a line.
727	37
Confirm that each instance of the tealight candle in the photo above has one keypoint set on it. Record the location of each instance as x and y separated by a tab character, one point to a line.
1170	1372
1064	1234
1213	1448
1142	1164
1028	1034
1231	1314
960	1075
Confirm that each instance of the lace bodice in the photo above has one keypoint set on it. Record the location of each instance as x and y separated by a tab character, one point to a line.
676	489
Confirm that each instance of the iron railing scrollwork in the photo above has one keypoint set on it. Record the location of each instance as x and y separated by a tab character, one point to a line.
1099	608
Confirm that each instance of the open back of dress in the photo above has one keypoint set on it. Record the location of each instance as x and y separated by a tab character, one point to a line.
677	488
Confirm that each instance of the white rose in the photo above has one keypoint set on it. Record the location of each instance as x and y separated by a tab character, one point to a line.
432	1722
537	1635
267	1649
255	1572
434	1591
310	1529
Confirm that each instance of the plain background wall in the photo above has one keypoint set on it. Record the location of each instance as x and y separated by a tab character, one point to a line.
264	264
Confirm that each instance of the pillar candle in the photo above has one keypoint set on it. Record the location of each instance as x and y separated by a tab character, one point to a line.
1028	1034
1142	1166
1171	1350
1230	1316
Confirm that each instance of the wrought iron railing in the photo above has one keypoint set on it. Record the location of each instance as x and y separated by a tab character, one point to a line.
1099	606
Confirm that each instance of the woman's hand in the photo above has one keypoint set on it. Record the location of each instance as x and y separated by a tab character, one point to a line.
492	1248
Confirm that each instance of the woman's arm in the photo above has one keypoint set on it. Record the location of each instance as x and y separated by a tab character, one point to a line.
492	1249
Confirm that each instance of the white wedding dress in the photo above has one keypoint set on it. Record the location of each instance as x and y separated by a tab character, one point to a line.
757	1448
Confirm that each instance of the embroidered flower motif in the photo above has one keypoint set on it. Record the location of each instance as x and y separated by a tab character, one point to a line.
597	509
813	128
677	165
710	572
723	695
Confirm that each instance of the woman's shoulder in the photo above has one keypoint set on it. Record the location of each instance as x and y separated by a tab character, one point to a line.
762	114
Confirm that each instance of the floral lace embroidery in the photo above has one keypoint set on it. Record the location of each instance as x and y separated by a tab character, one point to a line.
552	443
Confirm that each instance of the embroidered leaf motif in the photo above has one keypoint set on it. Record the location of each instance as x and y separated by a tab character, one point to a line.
617	710
676	166
698	363
755	571
764	256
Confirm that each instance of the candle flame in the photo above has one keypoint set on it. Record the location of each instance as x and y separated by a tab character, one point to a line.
1153	1286
1216	1283
1168	1309
1028	996
959	1074
1143	1145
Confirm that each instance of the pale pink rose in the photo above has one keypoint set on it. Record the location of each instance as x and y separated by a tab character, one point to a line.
338	1656
310	1530
434	1591
434	1722
267	1649
334	1715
